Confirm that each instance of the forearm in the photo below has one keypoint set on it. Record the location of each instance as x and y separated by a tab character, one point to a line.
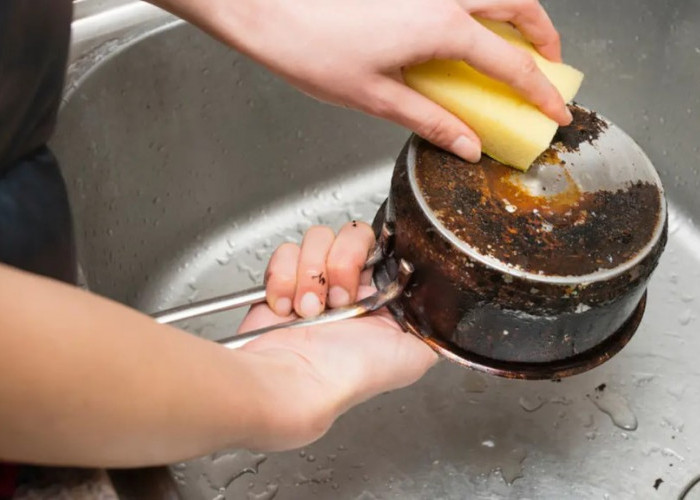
86	381
225	20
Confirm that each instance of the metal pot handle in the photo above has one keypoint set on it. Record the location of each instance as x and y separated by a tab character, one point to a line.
256	295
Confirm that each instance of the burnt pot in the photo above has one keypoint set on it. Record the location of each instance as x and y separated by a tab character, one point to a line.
518	315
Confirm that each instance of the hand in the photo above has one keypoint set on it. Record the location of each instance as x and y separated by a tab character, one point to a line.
337	365
352	53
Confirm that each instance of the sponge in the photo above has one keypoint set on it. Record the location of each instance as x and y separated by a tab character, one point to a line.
512	130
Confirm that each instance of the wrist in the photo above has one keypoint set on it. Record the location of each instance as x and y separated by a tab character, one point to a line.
233	22
293	406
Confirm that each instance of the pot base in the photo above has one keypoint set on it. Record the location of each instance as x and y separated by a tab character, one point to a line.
556	369
527	371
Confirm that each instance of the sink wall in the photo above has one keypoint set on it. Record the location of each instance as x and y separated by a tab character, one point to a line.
187	164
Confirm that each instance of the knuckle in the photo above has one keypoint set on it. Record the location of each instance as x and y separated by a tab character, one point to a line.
525	78
555	37
345	267
451	17
315	274
527	65
359	226
322	231
287	248
281	279
528	4
382	103
434	129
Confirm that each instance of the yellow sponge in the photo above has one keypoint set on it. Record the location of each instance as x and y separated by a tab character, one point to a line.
512	130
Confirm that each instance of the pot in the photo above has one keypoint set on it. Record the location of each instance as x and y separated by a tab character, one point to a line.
526	275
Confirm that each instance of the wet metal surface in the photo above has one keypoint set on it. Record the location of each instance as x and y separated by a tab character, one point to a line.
187	165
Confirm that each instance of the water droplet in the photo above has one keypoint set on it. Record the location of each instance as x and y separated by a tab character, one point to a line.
686	317
616	407
311	458
474	383
261	254
560	400
402	409
677	391
531	404
366	495
591	435
320	476
226	468
674	423
488	443
338	195
302	453
642	380
512	467
268	493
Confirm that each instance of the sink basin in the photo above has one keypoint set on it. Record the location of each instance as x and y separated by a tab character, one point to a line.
188	164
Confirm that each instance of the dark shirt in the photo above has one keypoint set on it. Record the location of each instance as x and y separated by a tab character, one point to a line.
34	38
35	222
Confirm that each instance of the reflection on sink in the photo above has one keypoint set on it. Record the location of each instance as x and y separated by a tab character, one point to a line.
187	164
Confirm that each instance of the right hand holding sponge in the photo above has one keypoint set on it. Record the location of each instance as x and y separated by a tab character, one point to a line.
512	130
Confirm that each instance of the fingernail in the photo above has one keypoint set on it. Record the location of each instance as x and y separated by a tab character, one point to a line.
569	115
464	147
310	305
338	297
283	306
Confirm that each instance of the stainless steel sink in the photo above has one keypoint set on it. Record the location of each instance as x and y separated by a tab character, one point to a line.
187	164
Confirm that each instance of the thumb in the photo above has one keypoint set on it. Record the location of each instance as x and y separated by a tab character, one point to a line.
405	106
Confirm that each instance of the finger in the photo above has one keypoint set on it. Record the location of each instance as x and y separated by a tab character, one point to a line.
345	261
366	277
312	277
495	57
397	102
281	278
261	316
529	17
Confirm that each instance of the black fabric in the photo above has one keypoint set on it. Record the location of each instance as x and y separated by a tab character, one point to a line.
34	37
35	222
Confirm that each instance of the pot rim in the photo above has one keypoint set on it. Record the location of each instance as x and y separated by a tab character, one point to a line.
516	272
